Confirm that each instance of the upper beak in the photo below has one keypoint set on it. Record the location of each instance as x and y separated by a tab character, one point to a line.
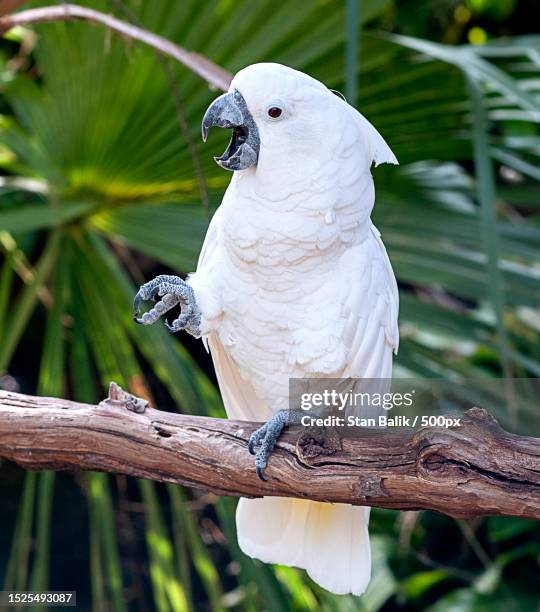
230	111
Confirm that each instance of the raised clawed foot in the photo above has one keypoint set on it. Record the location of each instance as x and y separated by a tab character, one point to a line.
267	435
173	291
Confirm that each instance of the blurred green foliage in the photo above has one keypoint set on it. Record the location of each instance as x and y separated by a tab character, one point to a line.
100	191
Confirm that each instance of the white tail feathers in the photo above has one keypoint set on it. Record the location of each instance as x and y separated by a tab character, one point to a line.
329	541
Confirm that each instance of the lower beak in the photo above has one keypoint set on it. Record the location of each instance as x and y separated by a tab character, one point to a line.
230	111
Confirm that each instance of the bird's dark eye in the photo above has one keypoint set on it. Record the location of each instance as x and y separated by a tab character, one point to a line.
274	112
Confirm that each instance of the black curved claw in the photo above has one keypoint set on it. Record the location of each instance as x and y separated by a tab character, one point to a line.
260	474
139	298
136	306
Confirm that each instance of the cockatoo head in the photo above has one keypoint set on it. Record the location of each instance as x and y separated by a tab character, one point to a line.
263	108
285	122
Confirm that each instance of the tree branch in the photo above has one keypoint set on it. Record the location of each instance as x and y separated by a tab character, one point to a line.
473	470
200	65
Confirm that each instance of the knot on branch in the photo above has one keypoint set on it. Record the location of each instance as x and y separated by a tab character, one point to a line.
480	415
373	486
458	451
433	461
316	442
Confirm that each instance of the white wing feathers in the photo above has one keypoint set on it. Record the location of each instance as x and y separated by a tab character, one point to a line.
370	305
239	397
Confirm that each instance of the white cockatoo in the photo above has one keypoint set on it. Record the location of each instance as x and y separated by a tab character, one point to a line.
293	281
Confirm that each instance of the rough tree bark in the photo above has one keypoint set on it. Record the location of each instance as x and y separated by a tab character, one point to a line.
472	470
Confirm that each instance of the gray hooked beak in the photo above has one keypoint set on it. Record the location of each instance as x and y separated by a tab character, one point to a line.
230	111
